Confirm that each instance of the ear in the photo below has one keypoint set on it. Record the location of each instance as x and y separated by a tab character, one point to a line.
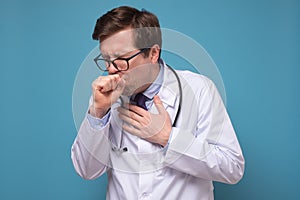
154	53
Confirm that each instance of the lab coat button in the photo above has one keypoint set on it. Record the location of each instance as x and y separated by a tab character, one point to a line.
145	195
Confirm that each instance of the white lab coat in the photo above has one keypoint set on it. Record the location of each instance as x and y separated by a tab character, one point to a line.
202	148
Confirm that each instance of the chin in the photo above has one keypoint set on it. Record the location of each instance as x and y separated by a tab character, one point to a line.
127	92
130	91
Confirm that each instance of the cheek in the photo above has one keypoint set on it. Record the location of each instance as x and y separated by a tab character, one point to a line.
133	82
137	75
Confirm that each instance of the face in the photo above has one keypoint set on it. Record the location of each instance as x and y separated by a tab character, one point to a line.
121	45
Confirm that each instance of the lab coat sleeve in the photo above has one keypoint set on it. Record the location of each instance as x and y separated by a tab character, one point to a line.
211	151
90	150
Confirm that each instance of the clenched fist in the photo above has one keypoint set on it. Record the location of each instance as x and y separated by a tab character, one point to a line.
106	91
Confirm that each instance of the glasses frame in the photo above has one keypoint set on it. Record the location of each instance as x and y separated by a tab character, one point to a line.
109	62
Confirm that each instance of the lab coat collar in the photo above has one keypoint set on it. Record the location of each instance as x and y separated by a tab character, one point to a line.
169	91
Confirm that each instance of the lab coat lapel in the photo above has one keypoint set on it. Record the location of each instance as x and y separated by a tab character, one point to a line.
169	92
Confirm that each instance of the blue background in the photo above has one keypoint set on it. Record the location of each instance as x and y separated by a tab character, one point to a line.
255	45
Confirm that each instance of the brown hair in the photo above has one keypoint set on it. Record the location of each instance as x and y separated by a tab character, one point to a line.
145	24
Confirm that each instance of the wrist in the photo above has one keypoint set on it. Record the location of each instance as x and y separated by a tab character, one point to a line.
97	112
165	138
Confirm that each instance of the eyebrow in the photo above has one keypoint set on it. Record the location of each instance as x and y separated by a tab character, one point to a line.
116	55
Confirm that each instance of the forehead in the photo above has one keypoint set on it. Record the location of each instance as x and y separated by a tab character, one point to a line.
118	44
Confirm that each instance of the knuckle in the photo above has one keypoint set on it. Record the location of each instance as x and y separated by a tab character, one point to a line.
145	122
131	115
94	83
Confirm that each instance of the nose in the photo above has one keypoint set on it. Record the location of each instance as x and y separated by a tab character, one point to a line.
111	68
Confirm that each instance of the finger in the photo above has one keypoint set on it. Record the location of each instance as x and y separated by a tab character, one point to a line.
117	91
130	120
114	81
111	83
130	114
123	111
159	105
100	84
108	83
120	86
132	130
138	110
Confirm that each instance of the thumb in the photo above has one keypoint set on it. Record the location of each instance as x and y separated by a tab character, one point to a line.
159	105
120	86
118	91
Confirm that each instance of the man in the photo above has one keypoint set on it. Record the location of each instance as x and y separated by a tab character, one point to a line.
158	134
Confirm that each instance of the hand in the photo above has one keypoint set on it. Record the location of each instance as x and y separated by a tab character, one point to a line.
155	128
106	91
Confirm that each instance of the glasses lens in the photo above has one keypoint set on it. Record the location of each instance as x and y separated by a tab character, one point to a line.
102	64
120	64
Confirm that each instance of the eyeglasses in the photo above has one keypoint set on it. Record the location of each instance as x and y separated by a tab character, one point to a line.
121	64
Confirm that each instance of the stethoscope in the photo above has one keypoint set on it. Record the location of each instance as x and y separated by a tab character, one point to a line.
121	148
